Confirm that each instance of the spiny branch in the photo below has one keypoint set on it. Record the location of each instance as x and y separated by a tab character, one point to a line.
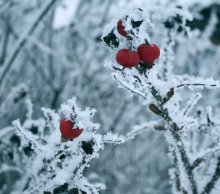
174	130
17	125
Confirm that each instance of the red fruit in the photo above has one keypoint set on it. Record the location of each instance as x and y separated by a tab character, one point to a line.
121	29
67	129
127	58
148	53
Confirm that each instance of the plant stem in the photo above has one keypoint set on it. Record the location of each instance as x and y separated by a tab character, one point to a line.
174	131
211	184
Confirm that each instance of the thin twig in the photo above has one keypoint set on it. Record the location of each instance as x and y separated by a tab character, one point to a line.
130	135
20	129
133	91
192	102
196	84
5	43
44	76
205	155
21	43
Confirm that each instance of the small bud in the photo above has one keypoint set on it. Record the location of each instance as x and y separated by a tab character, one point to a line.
155	109
169	95
159	128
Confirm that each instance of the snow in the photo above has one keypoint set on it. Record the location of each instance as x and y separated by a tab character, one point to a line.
64	13
178	97
152	85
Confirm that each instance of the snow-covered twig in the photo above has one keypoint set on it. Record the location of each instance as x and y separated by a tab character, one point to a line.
119	139
23	40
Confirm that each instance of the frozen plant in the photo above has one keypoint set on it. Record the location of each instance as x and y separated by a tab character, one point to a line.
54	152
193	141
57	63
56	164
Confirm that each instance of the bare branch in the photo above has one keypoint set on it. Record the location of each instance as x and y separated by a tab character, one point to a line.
133	91
23	40
196	84
193	101
131	135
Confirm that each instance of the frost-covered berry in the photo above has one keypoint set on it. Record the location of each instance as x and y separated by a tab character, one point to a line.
67	129
121	29
127	58
148	53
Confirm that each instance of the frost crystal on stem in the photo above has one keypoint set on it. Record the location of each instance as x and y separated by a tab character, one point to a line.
161	90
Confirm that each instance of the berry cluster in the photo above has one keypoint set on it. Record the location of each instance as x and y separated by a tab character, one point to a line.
145	54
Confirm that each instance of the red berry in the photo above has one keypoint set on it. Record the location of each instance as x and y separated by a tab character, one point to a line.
67	129
121	29
127	58
148	53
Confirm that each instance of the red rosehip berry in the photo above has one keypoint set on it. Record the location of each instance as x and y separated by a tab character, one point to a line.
127	58
121	29
67	129
148	53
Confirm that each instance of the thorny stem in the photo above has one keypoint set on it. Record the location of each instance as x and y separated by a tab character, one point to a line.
174	130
